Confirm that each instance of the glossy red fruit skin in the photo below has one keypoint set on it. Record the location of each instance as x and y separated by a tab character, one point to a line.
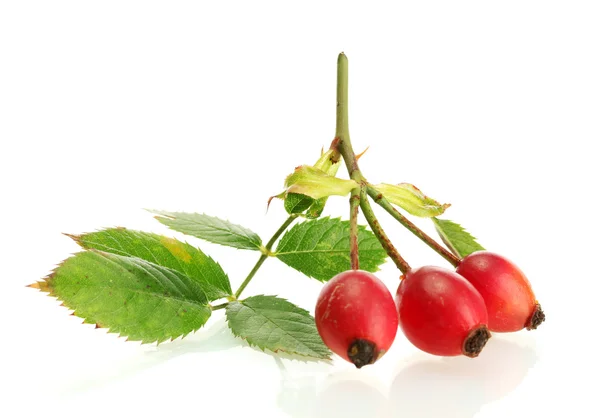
506	291
356	305
439	310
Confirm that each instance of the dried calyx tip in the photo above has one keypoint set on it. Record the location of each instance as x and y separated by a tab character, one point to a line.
362	352
476	340
537	318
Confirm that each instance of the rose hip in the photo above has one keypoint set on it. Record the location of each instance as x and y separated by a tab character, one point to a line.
507	293
356	317
441	313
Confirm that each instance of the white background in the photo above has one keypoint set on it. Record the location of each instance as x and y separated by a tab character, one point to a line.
110	107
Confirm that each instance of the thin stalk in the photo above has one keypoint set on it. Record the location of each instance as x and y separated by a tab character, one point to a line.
354	203
342	141
259	263
266	253
342	131
280	231
387	245
221	306
344	146
387	206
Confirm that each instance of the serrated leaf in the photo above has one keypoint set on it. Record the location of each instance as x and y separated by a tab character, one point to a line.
297	203
315	183
162	251
458	240
129	296
321	248
272	323
411	199
210	228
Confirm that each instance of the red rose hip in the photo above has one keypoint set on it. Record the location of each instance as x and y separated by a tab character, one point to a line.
507	293
356	317
441	313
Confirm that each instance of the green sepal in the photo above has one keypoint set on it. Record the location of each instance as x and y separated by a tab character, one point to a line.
411	199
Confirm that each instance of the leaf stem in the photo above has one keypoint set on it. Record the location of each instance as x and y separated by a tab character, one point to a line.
344	146
259	263
265	254
387	206
221	306
280	231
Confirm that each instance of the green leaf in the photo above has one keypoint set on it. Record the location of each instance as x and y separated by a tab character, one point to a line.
162	251
315	183
315	210
297	203
411	199
210	228
458	240
129	296
321	248
272	323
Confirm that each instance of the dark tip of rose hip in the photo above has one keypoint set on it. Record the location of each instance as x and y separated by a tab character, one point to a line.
362	352
476	340
537	318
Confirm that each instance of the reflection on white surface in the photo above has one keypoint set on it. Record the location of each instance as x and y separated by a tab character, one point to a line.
440	387
420	386
350	398
216	337
459	387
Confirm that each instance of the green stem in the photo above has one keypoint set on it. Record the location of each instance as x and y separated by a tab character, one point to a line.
354	203
380	234
341	115
280	231
344	146
342	131
221	306
342	141
259	263
266	253
387	206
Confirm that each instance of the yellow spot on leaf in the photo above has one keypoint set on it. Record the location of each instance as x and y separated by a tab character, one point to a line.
176	248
